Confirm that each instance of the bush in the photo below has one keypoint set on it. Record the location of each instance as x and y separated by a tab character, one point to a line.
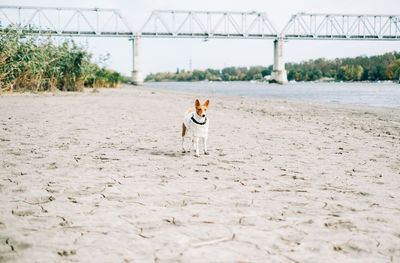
37	64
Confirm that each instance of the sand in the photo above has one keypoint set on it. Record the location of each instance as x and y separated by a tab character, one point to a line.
99	177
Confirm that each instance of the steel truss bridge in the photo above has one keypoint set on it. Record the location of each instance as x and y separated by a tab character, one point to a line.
100	22
342	27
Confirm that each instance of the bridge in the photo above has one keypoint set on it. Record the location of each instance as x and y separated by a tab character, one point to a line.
101	22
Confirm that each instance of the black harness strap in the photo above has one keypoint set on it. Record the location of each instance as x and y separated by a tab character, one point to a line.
199	123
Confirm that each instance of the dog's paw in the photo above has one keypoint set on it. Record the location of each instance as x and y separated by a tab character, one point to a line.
197	155
206	153
183	151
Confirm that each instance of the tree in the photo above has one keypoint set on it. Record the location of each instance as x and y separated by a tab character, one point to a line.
265	72
199	75
393	70
231	71
358	72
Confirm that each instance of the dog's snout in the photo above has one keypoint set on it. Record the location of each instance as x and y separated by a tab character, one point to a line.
203	115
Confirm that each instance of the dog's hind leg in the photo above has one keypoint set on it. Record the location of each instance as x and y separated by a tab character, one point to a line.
183	137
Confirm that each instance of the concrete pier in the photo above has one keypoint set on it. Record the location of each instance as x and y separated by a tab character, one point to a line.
137	76
279	72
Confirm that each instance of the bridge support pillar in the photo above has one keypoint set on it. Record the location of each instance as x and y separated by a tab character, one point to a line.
279	72
137	77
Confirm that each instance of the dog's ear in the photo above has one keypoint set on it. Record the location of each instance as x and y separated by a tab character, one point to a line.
197	103
207	102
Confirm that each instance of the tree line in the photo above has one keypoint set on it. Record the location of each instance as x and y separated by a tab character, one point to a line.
362	68
226	74
38	64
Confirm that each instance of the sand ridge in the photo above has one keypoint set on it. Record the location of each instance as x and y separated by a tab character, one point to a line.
99	177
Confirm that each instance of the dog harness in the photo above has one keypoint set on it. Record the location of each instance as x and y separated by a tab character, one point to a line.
199	123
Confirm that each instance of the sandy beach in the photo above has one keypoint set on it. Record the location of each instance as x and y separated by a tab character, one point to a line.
100	177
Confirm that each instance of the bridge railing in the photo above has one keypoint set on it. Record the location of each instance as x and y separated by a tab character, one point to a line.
342	27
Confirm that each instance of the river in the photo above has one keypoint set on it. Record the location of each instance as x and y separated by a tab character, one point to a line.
383	94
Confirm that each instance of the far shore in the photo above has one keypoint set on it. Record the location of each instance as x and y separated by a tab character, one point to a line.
290	81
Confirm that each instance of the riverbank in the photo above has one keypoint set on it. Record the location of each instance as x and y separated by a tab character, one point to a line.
356	93
99	177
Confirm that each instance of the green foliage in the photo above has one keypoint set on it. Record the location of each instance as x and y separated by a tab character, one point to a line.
360	68
393	70
94	76
29	63
198	75
226	74
383	67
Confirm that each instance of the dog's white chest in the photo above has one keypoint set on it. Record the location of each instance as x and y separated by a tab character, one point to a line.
198	130
195	129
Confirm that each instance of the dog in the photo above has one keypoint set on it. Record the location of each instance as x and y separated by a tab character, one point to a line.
195	124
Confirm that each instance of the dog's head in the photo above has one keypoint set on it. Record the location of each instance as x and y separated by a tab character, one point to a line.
201	110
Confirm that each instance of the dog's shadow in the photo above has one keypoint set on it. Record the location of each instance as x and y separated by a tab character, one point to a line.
167	153
162	152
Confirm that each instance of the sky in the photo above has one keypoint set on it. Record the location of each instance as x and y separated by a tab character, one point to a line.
166	55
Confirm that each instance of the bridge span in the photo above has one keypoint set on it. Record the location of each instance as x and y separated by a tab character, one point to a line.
101	22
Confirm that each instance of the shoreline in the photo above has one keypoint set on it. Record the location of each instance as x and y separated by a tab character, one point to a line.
320	103
100	177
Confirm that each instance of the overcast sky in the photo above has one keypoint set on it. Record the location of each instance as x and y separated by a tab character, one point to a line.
169	54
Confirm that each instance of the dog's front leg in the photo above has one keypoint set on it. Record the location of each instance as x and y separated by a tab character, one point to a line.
205	145
196	146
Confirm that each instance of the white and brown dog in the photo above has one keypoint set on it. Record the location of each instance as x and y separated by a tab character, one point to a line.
196	125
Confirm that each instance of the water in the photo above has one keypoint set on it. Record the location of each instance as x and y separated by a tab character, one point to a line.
382	94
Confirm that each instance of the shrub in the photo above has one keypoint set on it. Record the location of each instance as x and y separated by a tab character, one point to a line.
37	64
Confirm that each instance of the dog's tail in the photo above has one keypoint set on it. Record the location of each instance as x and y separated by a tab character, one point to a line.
183	129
